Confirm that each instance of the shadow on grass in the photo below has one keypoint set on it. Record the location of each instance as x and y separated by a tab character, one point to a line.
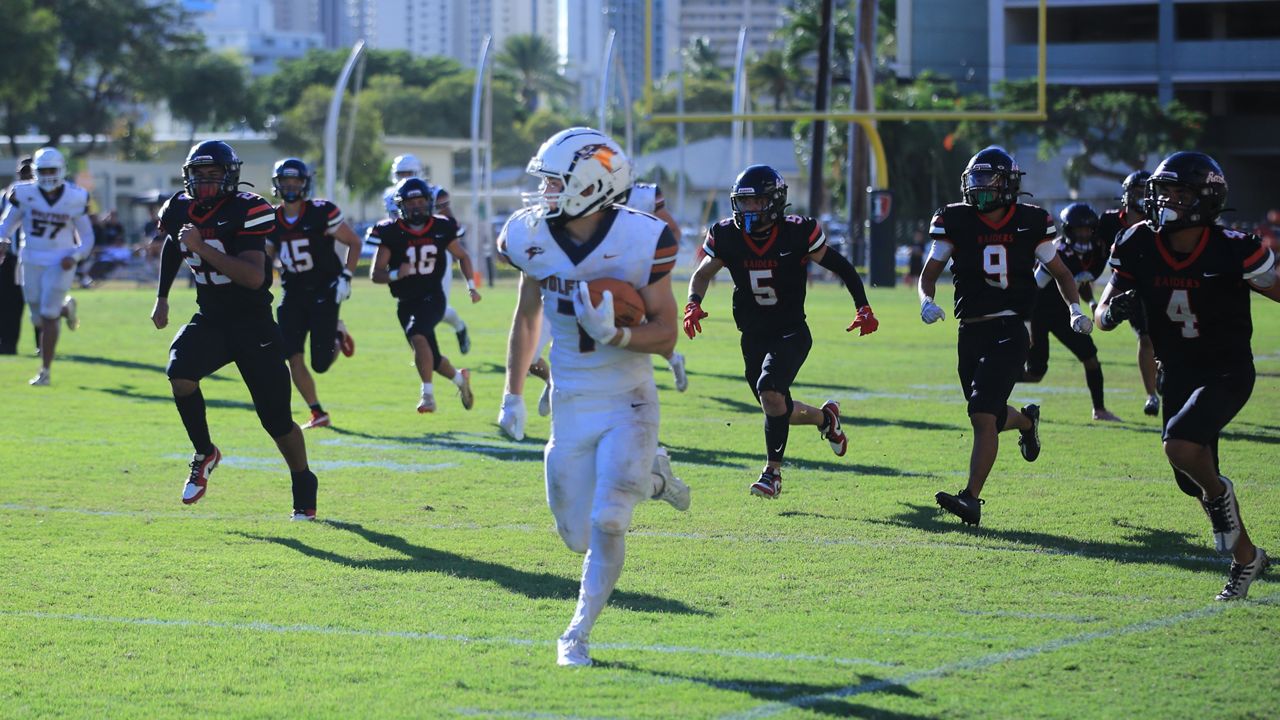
722	457
131	393
502	448
800	695
1270	438
124	364
534	585
740	378
1145	545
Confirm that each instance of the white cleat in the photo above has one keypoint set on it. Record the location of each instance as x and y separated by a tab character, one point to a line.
1224	515
427	404
41	379
572	652
303	516
69	311
674	490
544	401
676	361
1242	576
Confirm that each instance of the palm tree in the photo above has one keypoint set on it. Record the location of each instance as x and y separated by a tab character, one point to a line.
702	60
535	66
770	75
802	25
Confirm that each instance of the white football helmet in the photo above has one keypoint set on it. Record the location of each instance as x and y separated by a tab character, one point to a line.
593	168
47	158
405	164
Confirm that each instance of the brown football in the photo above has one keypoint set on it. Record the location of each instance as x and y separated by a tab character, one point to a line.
628	306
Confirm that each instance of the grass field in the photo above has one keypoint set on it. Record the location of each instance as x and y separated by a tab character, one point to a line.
437	585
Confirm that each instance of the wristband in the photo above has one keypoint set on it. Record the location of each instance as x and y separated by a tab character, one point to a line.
926	300
1075	309
625	338
471	284
394	275
346	273
695	298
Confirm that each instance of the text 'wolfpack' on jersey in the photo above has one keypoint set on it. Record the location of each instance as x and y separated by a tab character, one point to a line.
630	246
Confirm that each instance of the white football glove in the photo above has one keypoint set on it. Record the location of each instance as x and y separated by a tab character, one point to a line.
342	289
597	321
931	313
1080	322
511	416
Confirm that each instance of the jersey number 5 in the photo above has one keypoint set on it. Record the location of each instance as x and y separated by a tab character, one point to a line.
995	263
764	294
1179	311
295	257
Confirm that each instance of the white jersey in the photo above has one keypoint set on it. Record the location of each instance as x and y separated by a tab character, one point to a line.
49	230
636	248
643	197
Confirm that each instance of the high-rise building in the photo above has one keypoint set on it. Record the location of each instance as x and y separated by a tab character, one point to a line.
452	28
250	28
589	23
720	20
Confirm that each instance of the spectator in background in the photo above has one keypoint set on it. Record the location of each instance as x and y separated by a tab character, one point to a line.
110	250
1269	229
11	302
915	260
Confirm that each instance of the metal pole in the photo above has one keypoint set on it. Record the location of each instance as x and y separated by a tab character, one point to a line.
735	143
477	98
487	220
602	113
680	171
820	105
331	120
625	89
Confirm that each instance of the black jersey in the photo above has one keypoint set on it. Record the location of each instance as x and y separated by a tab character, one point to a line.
308	258
423	248
235	224
1196	304
993	263
769	275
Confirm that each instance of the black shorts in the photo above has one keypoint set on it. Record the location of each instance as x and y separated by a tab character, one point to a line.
1198	404
1052	317
203	346
419	316
1139	320
991	356
313	312
772	360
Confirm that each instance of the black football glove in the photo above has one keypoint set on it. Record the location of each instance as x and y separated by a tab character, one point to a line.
1121	308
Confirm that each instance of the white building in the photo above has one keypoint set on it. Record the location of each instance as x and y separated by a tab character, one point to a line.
720	20
451	28
250	28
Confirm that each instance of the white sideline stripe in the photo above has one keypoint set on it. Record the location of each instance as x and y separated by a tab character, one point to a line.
418	635
478	712
263	463
821	542
1032	615
978	663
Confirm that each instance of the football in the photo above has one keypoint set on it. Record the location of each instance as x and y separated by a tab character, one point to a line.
628	306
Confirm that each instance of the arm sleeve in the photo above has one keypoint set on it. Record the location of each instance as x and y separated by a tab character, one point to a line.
170	259
940	250
709	243
84	230
664	256
1046	251
836	263
334	218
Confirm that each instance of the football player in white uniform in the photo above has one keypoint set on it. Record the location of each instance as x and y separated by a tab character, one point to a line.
53	213
600	458
407	166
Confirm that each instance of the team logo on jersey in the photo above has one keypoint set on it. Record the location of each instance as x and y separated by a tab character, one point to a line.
533	250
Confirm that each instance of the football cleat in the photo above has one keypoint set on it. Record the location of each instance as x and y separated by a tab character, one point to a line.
1224	515
346	343
41	379
69	311
303	515
318	419
572	652
1029	440
674	490
198	481
830	428
676	361
769	485
544	401
1105	415
427	403
464	390
963	505
1242	575
1153	405
464	341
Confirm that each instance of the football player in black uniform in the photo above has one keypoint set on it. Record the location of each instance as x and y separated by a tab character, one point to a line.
1113	223
221	233
767	253
11	301
412	260
1085	258
1192	278
314	280
993	242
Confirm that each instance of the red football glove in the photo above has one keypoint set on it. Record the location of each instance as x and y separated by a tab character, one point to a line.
693	315
866	321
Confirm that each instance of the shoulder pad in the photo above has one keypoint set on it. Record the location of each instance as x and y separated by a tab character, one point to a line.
1141	228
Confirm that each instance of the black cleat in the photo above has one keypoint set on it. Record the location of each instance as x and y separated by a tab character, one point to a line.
963	505
464	341
1153	405
1029	440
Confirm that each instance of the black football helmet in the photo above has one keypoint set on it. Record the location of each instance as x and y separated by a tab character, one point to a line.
25	170
211	152
1079	221
758	181
414	187
1186	189
291	168
1133	191
991	180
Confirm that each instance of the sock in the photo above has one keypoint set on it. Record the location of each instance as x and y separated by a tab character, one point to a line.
600	571
458	379
317	408
305	485
453	319
1093	378
191	410
428	389
776	430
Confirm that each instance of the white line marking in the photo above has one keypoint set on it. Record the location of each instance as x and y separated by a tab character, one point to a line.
1032	615
419	635
478	712
724	537
978	663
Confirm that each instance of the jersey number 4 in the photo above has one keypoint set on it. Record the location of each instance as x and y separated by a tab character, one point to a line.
995	263
1179	311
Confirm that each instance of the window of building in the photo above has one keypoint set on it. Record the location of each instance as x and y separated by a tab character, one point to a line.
1071	25
1227	21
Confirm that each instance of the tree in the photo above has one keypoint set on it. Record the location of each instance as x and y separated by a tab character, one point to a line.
701	95
29	59
300	131
771	75
281	90
801	28
450	101
211	90
702	61
535	67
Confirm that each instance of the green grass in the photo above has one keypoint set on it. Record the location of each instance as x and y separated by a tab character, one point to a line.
438	585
